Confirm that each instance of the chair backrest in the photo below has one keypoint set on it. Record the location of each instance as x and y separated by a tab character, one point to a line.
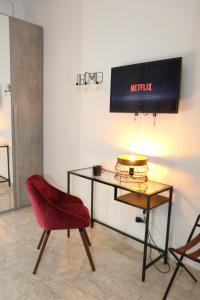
41	195
191	244
49	203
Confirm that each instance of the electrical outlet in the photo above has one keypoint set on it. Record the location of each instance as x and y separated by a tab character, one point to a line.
139	219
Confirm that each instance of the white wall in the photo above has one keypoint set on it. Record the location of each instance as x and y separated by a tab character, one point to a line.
116	33
92	36
62	42
6	8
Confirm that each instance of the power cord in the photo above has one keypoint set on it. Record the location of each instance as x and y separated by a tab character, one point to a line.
150	239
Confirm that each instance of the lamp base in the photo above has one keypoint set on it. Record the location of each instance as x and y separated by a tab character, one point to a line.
124	173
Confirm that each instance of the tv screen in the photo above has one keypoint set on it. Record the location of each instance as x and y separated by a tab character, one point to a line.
151	87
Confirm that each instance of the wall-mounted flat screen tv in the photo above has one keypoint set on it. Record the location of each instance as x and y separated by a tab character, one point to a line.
151	87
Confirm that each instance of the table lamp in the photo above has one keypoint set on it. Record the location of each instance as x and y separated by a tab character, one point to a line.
131	168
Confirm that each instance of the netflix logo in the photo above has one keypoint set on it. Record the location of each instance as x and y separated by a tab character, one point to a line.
141	87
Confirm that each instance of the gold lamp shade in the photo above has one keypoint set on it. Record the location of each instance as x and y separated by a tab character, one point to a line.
131	168
132	160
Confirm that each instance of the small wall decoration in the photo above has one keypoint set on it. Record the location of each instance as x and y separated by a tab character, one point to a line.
89	78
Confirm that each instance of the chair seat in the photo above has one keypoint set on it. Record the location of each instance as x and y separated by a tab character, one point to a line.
72	216
188	246
194	255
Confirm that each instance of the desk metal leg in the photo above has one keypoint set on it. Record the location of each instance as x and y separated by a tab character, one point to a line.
68	191
92	203
68	182
115	193
8	162
168	225
146	239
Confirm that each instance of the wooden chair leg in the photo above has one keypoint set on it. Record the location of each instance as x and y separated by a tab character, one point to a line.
68	233
47	233
41	239
85	243
87	237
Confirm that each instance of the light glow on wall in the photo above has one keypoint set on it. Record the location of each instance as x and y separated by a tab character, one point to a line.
150	146
3	124
153	145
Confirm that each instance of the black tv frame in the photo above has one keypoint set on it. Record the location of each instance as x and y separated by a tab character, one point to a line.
114	110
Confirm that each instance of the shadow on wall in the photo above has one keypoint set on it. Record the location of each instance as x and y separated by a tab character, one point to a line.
184	213
1	95
188	84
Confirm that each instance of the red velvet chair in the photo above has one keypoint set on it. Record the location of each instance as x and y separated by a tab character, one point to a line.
55	210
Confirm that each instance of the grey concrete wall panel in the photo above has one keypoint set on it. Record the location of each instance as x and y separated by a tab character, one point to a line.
26	47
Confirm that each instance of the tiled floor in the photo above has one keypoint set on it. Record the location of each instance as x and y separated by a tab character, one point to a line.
6	197
65	273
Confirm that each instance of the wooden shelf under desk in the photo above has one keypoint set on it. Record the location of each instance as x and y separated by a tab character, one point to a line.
140	201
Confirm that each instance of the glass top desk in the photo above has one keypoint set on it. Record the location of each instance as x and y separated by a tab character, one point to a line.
144	196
